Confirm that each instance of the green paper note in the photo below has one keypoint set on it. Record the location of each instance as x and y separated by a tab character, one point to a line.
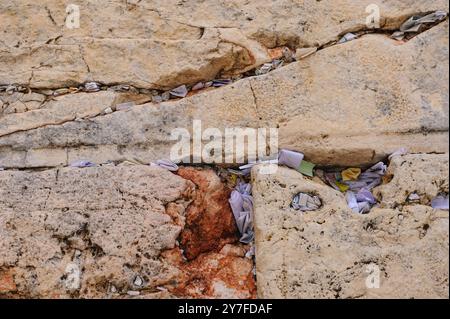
306	168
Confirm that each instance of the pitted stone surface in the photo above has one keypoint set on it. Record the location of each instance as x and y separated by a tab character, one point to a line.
113	231
109	222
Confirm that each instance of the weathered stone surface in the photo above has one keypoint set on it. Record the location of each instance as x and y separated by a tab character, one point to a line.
132	54
58	111
105	231
167	43
307	22
327	253
362	100
141	232
20	102
359	118
106	224
123	61
214	275
423	174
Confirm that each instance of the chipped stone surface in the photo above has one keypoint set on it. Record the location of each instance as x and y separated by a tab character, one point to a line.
329	253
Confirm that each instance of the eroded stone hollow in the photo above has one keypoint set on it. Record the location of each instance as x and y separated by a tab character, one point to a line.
113	90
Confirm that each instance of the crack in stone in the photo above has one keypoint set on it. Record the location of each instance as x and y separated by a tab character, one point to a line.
255	100
83	58
361	32
49	14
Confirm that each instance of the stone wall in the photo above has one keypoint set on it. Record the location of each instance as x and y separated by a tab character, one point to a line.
330	252
124	229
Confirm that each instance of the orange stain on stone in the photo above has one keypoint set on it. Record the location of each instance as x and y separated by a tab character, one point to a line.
7	283
210	223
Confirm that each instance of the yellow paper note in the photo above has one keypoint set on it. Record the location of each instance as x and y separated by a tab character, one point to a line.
342	187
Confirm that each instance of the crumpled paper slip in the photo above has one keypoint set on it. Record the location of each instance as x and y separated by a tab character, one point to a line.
333	179
241	202
305	202
440	202
180	91
351	174
92	87
415	23
290	158
356	206
165	96
11	88
359	197
413	197
251	252
277	64
221	82
121	88
82	164
366	196
166	164
369	179
108	110
352	202
157	99
399	152
348	37
265	68
357	185
341	187
127	88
